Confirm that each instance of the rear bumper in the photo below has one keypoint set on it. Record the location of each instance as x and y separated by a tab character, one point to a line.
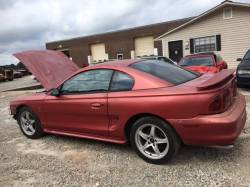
219	129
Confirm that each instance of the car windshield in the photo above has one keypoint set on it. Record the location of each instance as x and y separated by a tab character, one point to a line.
165	71
247	56
196	61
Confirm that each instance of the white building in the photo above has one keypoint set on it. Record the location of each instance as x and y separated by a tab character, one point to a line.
224	29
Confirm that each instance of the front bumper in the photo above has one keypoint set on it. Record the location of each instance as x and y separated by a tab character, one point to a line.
218	129
243	80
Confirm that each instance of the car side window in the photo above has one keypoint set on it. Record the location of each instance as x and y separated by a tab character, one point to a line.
87	82
121	82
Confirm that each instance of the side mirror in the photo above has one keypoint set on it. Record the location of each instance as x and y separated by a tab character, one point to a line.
239	59
55	92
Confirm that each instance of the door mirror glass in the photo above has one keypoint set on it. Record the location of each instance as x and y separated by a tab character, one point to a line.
55	92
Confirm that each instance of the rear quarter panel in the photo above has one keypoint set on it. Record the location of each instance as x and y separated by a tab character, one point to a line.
165	103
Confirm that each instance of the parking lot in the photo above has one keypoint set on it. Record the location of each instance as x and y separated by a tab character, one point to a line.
58	160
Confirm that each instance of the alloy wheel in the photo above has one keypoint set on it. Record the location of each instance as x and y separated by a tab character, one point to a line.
152	141
28	122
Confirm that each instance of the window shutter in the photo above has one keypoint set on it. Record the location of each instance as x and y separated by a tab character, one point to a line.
191	46
218	42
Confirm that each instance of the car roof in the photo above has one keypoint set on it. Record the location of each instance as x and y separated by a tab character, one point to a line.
140	76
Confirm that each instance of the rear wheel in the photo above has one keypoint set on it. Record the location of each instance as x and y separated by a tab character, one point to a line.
154	140
29	123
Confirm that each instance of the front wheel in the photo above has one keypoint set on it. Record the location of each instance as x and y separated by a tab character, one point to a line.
29	123
154	140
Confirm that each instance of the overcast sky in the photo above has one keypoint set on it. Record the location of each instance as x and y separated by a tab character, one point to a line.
29	24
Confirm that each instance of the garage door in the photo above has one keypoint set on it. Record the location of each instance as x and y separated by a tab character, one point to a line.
144	46
98	52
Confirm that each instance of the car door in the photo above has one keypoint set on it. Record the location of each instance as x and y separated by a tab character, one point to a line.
121	85
81	106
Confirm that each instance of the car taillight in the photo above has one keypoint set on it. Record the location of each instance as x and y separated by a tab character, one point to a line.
216	105
220	103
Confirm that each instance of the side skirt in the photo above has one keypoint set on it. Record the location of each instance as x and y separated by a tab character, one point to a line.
87	136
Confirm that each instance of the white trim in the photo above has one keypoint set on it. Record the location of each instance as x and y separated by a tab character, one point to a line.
89	57
162	48
132	54
204	14
156	51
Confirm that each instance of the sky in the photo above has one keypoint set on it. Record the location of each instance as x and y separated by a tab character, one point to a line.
29	24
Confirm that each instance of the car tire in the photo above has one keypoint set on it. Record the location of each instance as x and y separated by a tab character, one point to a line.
29	123
154	140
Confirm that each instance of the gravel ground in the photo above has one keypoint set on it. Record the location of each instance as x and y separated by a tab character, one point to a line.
65	161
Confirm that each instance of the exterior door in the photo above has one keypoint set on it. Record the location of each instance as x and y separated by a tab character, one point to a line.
82	105
144	46
175	50
98	52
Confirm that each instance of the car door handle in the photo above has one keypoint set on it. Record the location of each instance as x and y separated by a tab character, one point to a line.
96	105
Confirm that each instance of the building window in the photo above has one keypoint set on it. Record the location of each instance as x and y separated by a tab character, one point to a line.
205	44
227	13
120	56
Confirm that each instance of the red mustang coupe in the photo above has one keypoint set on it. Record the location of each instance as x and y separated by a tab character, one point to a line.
154	105
203	63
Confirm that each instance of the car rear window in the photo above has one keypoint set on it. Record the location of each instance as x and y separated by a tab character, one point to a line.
197	61
165	71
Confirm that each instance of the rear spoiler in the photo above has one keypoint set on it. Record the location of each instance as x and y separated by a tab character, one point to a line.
217	79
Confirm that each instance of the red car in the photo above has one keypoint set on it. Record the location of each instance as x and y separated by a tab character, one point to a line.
154	105
203	63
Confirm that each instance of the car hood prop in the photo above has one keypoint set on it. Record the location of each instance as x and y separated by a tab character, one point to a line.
49	67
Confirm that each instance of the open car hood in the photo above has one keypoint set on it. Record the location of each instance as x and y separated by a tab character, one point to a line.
49	67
